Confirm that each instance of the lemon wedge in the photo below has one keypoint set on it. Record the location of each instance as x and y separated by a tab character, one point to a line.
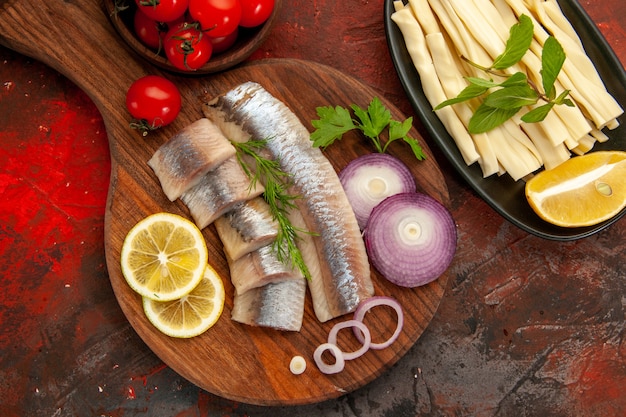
582	191
192	314
164	257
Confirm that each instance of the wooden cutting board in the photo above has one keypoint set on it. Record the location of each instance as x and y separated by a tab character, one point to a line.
235	361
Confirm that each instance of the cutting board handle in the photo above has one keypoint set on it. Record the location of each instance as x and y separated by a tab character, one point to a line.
77	39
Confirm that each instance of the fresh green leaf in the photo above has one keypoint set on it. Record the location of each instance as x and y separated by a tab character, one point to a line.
520	38
486	118
519	78
552	59
562	99
331	125
482	82
468	93
333	122
418	152
374	119
538	114
512	97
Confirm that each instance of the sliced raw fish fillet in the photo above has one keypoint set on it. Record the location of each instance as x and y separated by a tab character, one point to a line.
182	161
258	268
219	191
278	305
246	227
250	111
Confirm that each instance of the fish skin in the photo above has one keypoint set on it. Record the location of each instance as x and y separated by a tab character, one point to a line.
218	191
246	227
242	113
260	267
182	161
276	305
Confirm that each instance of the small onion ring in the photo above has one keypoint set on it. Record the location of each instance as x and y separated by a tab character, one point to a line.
365	339
325	368
367	305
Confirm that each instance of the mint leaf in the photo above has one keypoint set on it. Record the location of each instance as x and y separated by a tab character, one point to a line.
332	124
468	93
520	38
562	99
538	113
552	59
512	97
519	78
486	118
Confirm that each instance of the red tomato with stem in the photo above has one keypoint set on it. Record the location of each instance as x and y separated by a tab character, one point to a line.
163	10
187	47
217	18
153	101
255	12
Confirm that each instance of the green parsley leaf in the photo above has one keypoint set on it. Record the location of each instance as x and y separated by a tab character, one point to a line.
331	125
520	38
374	119
333	122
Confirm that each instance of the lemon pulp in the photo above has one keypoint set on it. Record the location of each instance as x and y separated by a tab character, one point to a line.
193	313
163	257
582	191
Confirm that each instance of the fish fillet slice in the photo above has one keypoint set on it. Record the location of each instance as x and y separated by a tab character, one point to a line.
246	227
219	191
250	111
278	305
182	161
258	268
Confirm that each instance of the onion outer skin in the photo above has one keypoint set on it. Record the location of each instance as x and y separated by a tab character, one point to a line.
386	170
410	239
380	300
365	339
325	368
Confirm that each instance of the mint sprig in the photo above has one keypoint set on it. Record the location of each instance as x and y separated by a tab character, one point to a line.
334	122
503	100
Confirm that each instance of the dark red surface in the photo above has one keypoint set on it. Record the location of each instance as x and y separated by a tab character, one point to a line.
528	328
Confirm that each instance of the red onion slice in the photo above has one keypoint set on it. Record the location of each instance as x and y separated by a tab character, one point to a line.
365	337
410	239
370	303
324	367
369	179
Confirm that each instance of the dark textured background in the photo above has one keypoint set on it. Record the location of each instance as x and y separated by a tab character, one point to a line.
528	328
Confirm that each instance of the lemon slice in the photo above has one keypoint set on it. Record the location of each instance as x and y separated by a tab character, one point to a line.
582	191
164	256
193	313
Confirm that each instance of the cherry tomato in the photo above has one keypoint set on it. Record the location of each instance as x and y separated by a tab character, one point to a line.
187	48
225	42
217	18
163	10
255	12
147	30
153	101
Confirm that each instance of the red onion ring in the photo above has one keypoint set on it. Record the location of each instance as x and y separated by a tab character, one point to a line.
367	305
329	368
369	179
410	239
365	339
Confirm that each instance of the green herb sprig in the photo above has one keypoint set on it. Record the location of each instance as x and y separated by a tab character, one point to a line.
334	122
277	197
502	100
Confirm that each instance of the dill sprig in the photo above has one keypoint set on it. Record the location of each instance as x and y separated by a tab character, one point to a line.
277	197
